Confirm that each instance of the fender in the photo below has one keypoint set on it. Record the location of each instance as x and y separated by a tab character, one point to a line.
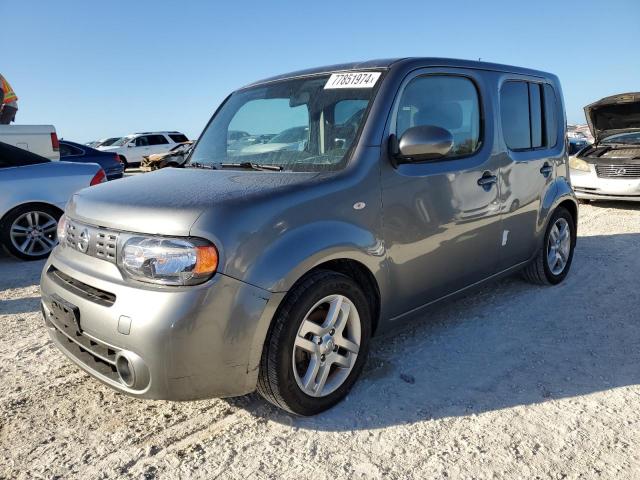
298	251
562	192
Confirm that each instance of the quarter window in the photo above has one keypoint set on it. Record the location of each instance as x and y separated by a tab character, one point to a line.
443	101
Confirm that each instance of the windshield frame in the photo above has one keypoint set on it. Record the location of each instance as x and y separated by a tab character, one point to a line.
346	159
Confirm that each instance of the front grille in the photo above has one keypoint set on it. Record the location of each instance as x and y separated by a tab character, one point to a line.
618	171
81	289
96	355
94	241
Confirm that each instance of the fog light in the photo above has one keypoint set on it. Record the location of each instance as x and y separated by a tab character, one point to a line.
125	371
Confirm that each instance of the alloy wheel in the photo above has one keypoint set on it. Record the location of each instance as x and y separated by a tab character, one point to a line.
558	246
326	346
34	233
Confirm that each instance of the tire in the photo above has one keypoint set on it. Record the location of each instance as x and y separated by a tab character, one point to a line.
284	361
26	220
125	164
539	270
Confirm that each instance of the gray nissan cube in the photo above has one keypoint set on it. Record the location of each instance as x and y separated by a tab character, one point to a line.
361	195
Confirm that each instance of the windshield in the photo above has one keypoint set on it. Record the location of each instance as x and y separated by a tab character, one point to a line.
629	138
123	141
110	141
296	124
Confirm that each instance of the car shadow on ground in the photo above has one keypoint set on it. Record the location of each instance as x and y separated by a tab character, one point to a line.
508	344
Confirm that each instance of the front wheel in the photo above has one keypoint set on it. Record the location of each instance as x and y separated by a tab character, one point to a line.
317	344
553	261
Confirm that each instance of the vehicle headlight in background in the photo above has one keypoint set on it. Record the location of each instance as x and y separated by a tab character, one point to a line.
168	261
62	229
576	164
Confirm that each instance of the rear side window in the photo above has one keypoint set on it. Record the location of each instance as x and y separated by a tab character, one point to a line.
528	112
68	150
178	137
449	102
514	109
157	140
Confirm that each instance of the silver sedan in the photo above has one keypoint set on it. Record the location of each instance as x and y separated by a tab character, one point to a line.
34	192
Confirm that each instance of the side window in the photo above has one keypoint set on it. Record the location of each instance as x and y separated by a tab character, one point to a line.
528	112
550	115
449	102
178	137
142	141
157	140
535	114
514	110
65	150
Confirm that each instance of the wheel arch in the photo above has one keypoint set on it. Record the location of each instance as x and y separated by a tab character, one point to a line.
6	215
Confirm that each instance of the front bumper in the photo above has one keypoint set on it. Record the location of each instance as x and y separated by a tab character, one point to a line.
588	186
185	343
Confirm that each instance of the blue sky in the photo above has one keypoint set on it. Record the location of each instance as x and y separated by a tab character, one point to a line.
96	69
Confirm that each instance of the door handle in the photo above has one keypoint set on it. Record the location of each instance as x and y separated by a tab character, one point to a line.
546	170
487	180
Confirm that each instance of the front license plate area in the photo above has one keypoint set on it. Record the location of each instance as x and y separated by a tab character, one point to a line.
65	313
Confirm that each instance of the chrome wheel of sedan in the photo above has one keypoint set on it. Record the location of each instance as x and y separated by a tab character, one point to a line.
33	233
326	346
558	246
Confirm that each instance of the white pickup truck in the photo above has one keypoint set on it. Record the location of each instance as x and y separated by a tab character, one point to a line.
39	139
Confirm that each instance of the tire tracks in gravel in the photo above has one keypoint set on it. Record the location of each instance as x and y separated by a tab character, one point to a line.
156	447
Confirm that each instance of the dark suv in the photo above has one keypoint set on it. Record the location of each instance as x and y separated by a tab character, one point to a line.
269	266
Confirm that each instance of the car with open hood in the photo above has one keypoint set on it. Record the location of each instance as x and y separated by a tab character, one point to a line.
393	185
610	168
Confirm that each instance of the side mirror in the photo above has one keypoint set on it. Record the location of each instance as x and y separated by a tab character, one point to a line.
132	144
425	142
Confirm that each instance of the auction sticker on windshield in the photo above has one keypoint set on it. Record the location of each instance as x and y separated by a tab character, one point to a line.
352	80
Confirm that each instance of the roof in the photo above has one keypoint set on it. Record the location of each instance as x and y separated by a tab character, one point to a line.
406	62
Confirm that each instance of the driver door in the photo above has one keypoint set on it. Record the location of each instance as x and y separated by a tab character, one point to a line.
441	221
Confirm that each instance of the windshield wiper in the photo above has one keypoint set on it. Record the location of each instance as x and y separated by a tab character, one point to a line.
206	166
252	166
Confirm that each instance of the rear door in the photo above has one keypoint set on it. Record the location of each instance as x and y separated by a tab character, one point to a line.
530	124
441	219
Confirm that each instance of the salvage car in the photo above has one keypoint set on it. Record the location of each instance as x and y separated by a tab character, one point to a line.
34	193
419	179
78	153
610	168
175	157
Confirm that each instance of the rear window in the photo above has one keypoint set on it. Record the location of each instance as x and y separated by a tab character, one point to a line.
528	112
178	137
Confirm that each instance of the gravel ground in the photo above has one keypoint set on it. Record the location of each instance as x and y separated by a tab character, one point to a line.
513	381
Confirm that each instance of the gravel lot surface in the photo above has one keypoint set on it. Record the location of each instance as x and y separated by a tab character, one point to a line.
513	381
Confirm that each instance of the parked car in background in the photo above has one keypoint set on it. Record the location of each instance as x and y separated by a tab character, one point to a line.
576	144
76	152
39	139
105	142
175	157
610	168
134	147
413	179
35	191
294	138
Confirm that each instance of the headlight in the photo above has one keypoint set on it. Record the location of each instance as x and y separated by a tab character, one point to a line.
168	261
576	164
62	229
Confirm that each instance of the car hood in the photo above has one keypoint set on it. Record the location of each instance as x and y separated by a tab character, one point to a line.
169	201
615	114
